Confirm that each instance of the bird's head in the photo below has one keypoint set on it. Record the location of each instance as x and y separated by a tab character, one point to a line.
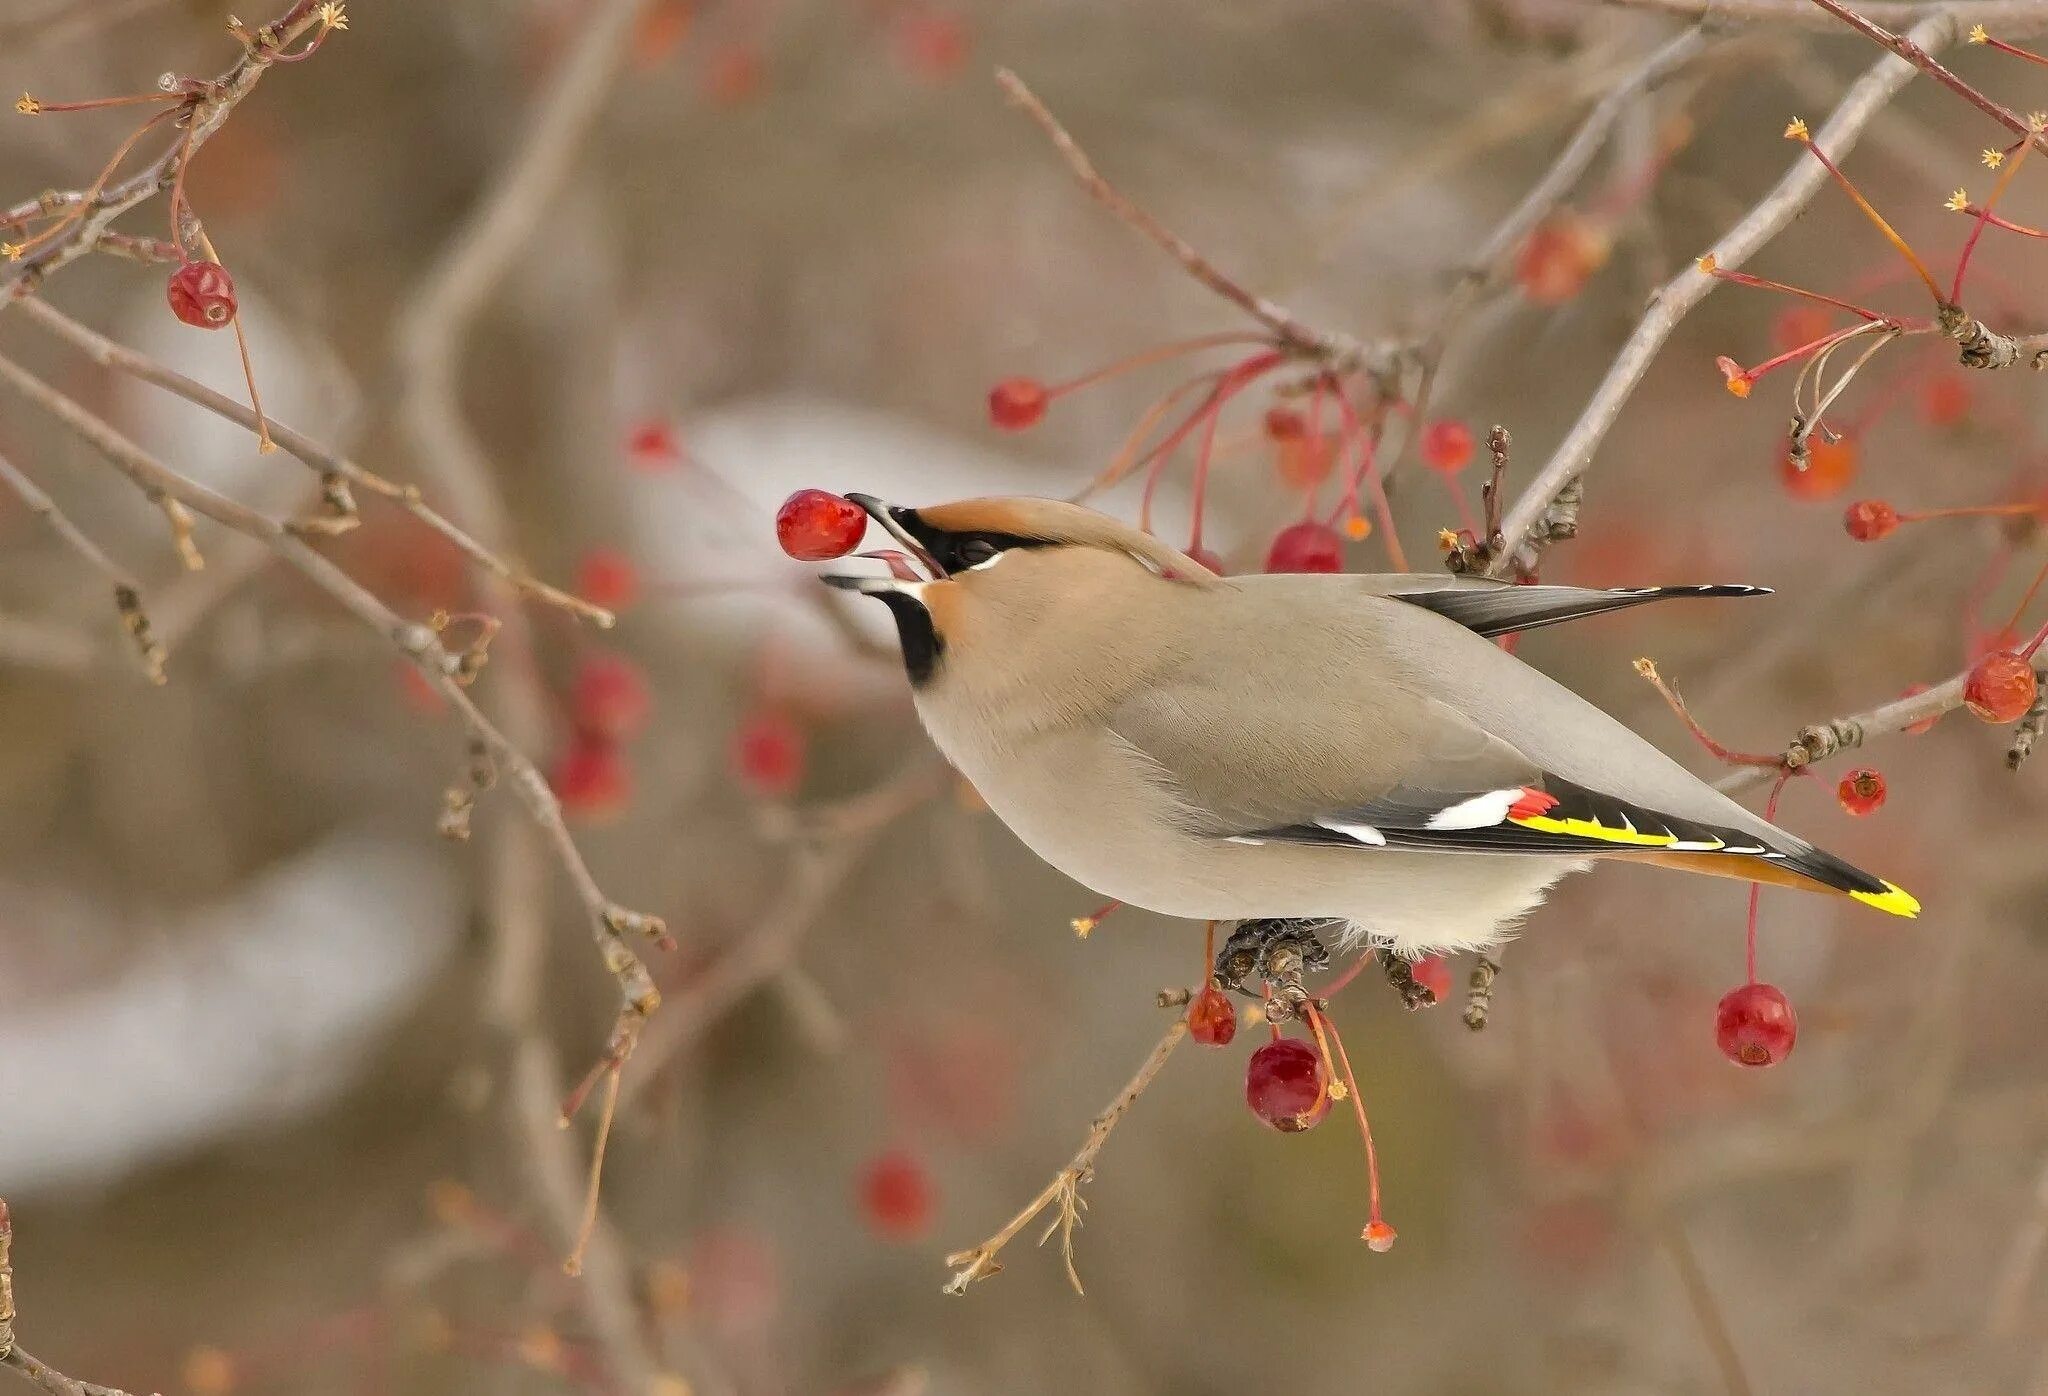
1002	567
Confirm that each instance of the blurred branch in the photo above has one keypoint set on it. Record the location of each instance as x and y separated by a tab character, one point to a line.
1699	1295
127	595
841	836
11	1352
330	465
1289	333
1878	85
1065	1188
61	21
2019	15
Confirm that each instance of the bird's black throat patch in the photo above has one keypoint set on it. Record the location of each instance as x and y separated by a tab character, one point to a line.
922	647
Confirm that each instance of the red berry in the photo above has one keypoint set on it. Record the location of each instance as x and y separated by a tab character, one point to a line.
1284	1085
1870	519
2001	687
1861	791
1447	446
653	445
1212	1021
420	695
1560	256
1433	972
1830	466
933	46
815	525
660	32
1925	724
1017	404
1945	401
732	75
896	1196
1285	424
607	577
768	754
202	294
1303	462
610	698
1306	547
590	779
1755	1026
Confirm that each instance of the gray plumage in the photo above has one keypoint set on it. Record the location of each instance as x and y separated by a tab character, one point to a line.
1289	746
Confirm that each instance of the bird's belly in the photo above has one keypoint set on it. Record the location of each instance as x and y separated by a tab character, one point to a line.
1088	806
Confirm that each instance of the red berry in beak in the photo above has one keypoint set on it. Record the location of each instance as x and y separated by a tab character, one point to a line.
816	525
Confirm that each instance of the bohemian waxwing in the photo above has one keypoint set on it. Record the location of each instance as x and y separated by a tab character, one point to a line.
1340	748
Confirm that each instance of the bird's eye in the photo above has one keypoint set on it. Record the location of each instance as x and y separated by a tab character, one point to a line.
976	551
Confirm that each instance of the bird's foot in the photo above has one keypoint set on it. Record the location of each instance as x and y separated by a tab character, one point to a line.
1271	955
1401	974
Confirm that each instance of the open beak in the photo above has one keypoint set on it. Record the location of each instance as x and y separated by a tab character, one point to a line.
900	576
894	520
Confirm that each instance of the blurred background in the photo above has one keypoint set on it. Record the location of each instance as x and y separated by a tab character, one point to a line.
258	1111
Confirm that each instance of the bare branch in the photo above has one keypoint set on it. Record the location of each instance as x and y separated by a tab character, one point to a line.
1878	85
11	1353
979	1262
127	595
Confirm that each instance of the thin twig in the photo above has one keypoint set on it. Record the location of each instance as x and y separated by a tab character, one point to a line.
1865	98
11	1354
1700	1296
1289	331
980	1262
105	352
127	594
1914	52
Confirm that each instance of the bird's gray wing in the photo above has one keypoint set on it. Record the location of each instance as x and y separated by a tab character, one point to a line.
1490	608
1393	770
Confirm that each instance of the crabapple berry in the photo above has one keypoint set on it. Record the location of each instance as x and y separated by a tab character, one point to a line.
610	697
896	1196
1447	446
1861	791
606	577
590	778
1830	466
768	754
202	294
1307	546
2001	687
817	525
1755	1026
1018	404
1212	1020
1284	1085
1868	520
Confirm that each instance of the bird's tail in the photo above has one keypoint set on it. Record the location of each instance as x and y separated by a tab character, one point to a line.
1793	862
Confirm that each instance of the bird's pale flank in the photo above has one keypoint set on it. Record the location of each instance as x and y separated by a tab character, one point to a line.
1350	748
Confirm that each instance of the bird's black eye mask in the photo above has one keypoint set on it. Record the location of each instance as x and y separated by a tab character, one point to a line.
961	552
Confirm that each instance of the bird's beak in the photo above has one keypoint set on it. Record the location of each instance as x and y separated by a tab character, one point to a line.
898	522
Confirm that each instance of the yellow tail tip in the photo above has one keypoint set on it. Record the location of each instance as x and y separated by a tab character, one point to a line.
1894	899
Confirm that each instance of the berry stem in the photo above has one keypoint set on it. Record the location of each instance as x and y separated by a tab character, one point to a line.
1756	888
2015	157
2003	47
1997	221
1326	1033
264	444
1200	488
2026	601
1742	278
92	193
1128	456
1973	510
1368	472
1648	669
1233	381
1147	357
1798	132
1813	346
35	106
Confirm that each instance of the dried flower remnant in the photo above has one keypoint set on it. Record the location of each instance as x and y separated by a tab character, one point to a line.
1861	792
